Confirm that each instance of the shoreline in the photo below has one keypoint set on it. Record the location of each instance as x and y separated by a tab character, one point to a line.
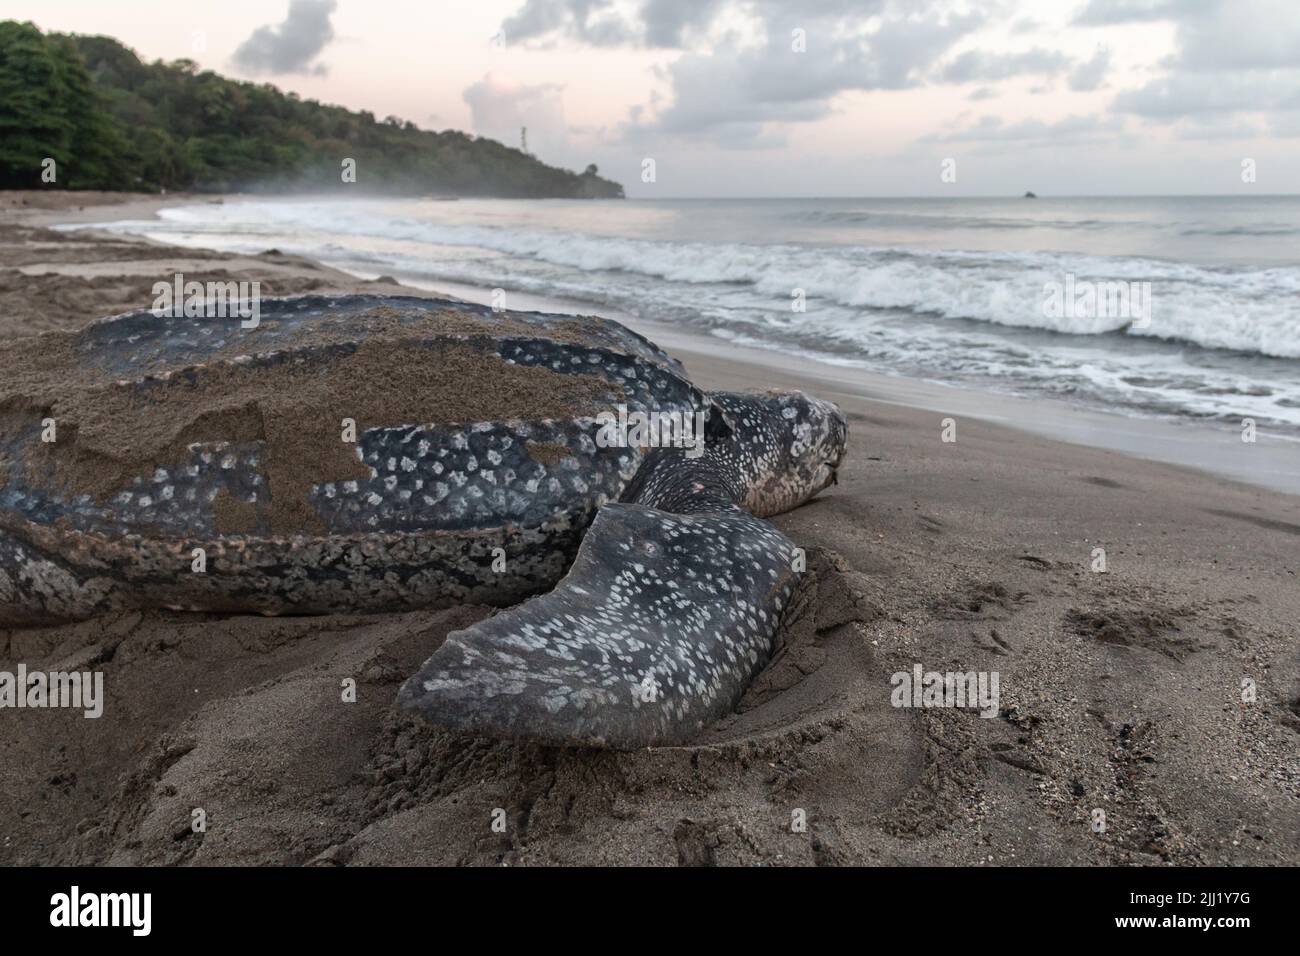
1120	689
1272	461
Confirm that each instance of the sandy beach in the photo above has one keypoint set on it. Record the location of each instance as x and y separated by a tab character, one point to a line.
1120	691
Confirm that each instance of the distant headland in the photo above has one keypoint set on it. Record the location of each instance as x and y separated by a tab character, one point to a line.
84	112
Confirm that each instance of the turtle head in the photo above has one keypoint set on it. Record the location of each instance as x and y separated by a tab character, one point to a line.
788	446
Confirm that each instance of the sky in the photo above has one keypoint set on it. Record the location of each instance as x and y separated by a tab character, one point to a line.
787	97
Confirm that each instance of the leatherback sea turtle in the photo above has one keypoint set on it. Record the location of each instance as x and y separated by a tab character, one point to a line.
367	452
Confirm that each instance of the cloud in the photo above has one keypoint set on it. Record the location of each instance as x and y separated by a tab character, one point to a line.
668	22
1114	12
736	81
1087	76
1214	34
990	67
290	46
908	46
734	93
1231	57
671	24
501	106
594	22
1185	94
1241	35
1071	131
1215	130
984	67
730	97
1285	125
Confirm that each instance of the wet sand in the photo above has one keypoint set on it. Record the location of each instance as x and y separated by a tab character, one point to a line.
1120	691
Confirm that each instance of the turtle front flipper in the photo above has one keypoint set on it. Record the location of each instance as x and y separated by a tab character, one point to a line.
656	631
671	606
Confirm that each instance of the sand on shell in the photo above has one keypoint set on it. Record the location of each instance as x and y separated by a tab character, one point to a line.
1120	691
114	431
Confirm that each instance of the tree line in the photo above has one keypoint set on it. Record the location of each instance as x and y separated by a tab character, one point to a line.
107	120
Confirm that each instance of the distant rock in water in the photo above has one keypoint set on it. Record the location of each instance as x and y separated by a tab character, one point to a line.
1030	195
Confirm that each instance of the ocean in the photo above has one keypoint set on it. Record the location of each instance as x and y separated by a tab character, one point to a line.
1172	307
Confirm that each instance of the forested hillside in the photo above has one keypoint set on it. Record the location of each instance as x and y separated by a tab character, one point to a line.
110	121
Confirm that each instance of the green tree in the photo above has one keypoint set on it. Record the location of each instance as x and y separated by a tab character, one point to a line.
49	109
110	121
